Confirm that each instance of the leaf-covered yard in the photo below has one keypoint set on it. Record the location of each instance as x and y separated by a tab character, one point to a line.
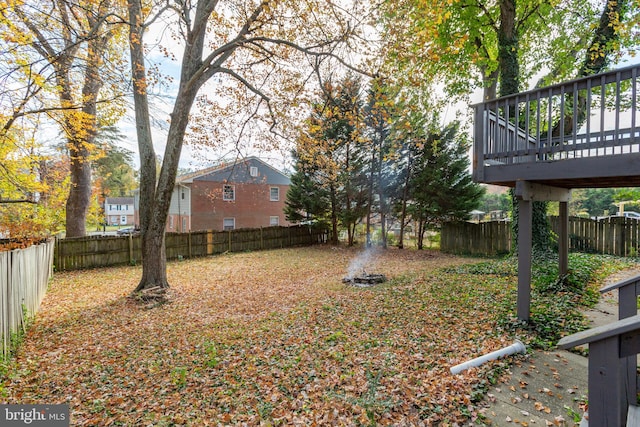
265	338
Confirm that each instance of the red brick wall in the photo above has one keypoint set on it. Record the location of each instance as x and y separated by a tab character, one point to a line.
175	223
252	207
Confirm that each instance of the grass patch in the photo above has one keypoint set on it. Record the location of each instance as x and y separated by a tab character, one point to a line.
556	303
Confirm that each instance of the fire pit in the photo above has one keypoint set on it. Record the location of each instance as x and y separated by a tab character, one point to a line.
365	279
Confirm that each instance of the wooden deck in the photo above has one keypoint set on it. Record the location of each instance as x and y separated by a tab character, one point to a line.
583	133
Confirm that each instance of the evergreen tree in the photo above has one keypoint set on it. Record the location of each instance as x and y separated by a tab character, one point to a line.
441	186
307	199
380	112
346	128
331	154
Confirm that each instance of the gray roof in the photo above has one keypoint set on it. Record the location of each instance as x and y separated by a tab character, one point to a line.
238	172
119	200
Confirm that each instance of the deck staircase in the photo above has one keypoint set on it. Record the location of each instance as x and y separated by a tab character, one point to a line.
613	350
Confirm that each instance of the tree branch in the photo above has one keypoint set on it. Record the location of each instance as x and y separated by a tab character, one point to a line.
7	201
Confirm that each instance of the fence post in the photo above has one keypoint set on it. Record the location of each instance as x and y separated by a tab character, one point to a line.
130	248
230	240
57	253
189	242
619	247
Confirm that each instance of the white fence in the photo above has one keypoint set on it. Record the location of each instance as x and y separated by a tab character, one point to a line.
24	276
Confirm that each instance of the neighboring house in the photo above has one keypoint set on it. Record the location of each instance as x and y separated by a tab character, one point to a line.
246	194
119	210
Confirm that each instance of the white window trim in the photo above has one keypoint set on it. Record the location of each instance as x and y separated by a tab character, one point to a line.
224	227
277	199
273	223
253	171
224	193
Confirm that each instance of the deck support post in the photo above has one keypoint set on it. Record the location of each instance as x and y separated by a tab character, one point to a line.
527	192
563	240
525	208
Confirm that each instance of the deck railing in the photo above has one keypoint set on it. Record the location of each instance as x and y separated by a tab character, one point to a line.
589	117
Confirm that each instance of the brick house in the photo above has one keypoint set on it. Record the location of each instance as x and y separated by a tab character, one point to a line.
119	210
246	194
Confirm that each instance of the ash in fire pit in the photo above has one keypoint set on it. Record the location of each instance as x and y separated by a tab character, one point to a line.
365	279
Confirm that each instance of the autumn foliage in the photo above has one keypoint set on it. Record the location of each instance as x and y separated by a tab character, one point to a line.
267	338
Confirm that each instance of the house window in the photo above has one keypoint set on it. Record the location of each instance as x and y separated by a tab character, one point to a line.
184	224
228	224
228	192
182	194
274	194
274	221
253	171
171	222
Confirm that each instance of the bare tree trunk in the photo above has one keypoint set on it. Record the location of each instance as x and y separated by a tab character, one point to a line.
405	196
82	140
80	192
383	198
154	272
334	216
352	233
508	48
143	124
347	192
370	196
490	84
153	249
403	219
489	78
420	234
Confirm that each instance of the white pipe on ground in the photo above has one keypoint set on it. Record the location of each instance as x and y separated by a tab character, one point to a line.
516	347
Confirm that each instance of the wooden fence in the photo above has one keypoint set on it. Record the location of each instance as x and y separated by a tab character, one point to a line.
24	277
103	251
618	236
483	239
